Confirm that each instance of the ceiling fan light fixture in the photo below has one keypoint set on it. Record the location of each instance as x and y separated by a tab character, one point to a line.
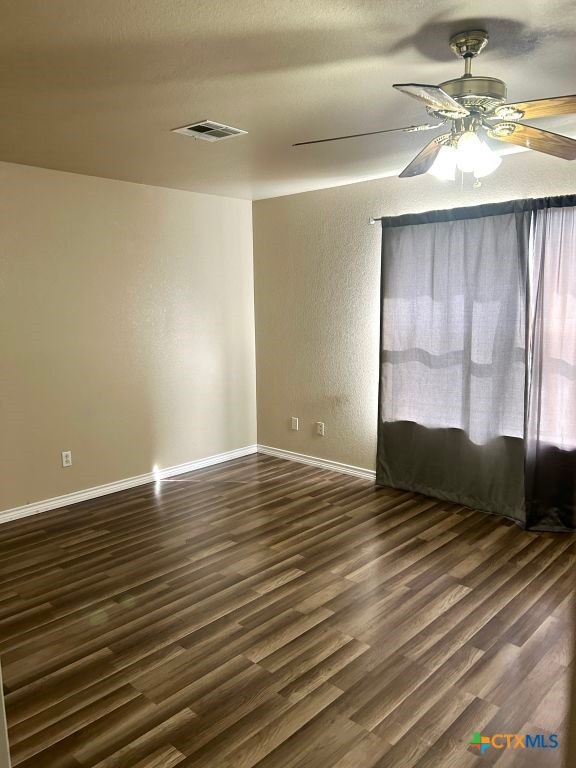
474	156
468	148
444	167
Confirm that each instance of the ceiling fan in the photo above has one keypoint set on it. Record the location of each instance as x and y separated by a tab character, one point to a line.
469	105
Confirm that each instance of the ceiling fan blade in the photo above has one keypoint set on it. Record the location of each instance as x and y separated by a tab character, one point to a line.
534	138
409	128
434	97
424	159
559	105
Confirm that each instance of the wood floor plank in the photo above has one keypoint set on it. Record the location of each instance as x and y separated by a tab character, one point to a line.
272	614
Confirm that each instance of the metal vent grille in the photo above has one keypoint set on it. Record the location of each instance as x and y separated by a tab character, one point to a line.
208	130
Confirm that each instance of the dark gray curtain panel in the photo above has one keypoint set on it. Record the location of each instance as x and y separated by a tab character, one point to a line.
478	339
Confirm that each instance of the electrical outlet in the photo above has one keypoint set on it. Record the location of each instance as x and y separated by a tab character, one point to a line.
320	428
294	423
66	458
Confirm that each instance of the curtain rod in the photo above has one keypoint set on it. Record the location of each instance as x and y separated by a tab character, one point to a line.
476	211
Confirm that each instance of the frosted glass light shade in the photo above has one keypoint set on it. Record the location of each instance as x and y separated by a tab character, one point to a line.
467	150
486	161
474	156
444	167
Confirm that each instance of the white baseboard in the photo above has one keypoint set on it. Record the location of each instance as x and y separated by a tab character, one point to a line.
120	485
162	474
335	466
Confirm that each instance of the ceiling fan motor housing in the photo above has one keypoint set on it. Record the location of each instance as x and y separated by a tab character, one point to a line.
478	94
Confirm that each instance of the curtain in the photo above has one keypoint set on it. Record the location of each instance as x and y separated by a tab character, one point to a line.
478	342
551	371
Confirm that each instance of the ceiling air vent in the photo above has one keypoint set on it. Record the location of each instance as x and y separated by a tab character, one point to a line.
209	131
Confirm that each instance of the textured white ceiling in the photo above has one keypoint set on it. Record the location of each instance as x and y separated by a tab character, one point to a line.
95	87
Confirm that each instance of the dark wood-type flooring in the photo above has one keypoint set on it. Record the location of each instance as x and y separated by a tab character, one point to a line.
268	613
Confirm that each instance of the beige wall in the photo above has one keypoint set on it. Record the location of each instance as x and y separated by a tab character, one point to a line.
126	330
317	275
127	326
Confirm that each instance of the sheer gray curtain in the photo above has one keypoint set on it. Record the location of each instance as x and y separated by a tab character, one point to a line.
472	361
